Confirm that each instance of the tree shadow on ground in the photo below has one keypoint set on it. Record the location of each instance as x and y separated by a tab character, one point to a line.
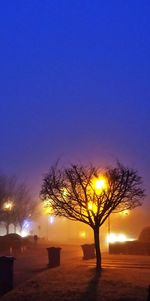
39	270
91	292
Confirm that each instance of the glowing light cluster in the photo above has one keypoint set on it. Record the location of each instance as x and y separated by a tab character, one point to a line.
92	207
24	233
100	183
82	234
120	237
47	208
51	219
8	205
26	228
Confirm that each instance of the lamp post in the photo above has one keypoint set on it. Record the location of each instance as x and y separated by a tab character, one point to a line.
48	212
47	227
108	232
100	185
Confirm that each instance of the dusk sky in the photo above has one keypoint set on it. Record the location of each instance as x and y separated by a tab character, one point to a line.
75	84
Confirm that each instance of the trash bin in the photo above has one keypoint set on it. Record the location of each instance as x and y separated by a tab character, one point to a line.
148	298
88	251
6	274
53	257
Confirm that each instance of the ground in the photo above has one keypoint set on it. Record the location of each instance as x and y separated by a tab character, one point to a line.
122	278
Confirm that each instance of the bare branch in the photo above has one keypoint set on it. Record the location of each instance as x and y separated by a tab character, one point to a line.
71	190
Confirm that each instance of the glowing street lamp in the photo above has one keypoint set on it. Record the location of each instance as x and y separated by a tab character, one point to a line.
100	184
48	210
8	206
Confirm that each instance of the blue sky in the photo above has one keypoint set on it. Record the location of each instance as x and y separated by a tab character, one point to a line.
75	84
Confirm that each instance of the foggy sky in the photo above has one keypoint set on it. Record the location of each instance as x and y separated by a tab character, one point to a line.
75	84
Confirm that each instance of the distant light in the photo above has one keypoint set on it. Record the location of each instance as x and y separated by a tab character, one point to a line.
122	237
112	238
26	224
51	219
24	233
8	205
26	228
82	234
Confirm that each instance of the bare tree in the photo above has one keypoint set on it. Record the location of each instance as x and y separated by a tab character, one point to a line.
24	205
2	188
85	194
16	203
7	194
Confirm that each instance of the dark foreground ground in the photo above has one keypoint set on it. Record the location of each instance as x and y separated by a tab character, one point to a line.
122	278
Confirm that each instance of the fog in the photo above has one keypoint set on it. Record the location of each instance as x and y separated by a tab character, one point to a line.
62	230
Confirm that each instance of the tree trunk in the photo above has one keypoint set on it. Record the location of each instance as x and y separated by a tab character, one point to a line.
15	228
7	228
20	228
97	248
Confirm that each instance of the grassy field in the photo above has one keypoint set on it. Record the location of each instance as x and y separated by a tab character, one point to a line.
76	280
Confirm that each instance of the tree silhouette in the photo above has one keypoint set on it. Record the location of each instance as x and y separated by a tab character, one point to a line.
16	202
86	194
